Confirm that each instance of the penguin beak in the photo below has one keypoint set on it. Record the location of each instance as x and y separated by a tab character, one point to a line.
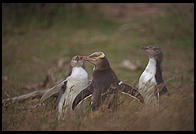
147	50
144	48
89	59
94	57
80	57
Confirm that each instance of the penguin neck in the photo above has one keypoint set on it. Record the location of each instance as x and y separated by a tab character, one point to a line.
154	67
102	65
151	67
79	72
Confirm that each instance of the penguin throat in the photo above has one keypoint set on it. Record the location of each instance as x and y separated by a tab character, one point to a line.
148	76
151	67
79	72
102	65
154	68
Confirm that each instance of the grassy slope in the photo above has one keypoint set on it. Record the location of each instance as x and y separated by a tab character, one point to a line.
31	45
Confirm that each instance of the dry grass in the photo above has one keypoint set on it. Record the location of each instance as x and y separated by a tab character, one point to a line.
29	50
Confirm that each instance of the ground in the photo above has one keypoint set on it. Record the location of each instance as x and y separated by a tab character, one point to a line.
35	37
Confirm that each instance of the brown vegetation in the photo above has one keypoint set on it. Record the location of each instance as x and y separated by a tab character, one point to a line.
31	49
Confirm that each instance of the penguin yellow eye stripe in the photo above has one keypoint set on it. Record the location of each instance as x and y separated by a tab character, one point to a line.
97	55
102	55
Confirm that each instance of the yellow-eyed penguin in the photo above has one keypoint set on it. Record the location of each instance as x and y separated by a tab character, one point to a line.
77	79
103	77
151	84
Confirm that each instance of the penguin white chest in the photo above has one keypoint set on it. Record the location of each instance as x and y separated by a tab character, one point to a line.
79	73
76	83
147	79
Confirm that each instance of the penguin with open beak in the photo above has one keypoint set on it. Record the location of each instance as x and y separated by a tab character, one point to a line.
76	81
103	78
151	83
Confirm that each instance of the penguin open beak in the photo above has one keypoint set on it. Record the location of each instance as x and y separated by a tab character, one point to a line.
94	57
89	59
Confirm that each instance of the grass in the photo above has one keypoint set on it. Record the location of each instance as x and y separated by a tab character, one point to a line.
35	37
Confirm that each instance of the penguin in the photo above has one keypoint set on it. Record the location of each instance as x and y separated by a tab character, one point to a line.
103	78
151	84
76	80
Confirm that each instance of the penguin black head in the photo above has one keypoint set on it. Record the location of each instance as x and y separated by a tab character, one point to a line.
98	59
77	61
153	52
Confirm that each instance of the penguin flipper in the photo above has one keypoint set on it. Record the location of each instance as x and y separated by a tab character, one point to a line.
128	90
61	92
87	92
55	89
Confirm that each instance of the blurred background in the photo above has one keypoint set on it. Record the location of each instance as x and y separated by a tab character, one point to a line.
38	39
